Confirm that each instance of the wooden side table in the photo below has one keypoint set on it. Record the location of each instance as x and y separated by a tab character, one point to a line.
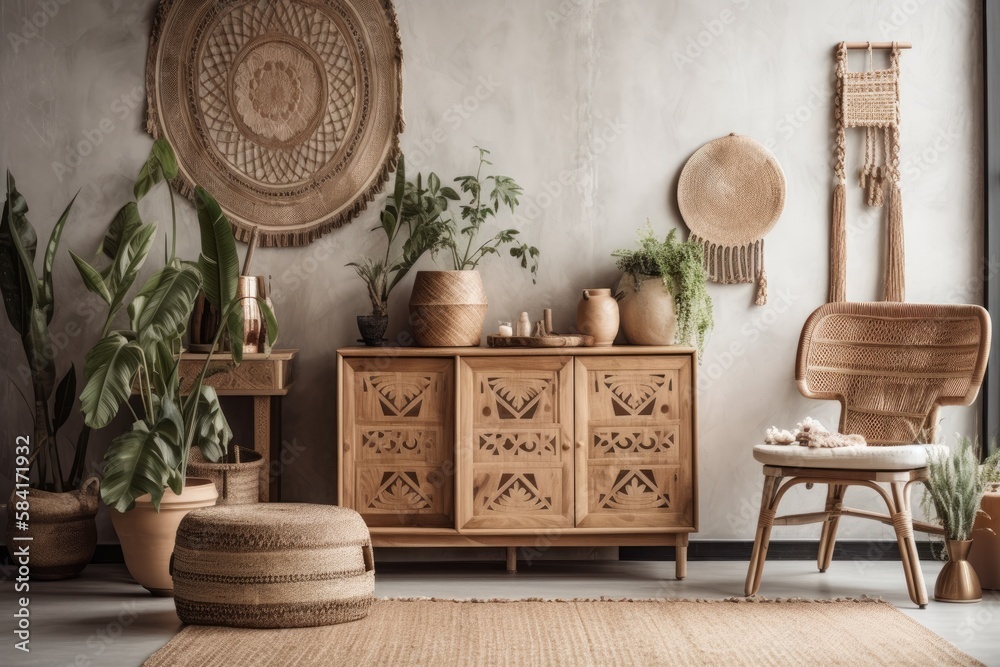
265	378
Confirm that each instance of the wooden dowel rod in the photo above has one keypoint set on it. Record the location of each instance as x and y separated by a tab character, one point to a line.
878	45
254	235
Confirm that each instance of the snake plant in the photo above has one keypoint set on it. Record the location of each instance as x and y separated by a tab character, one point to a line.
29	302
142	355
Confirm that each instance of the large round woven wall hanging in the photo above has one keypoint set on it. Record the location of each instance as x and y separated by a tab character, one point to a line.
731	193
287	111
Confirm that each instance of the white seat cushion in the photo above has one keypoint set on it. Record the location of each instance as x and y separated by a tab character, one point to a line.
896	457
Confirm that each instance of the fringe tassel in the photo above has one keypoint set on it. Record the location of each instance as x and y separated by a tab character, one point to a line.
761	297
731	265
838	245
895	273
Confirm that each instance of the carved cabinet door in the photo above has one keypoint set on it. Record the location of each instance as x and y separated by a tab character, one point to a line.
515	451
634	442
398	441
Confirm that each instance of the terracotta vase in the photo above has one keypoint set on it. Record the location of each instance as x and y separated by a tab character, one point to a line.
597	316
647	310
957	581
238	482
985	558
61	528
448	308
147	537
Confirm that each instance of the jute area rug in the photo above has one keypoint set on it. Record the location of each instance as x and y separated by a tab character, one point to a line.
445	633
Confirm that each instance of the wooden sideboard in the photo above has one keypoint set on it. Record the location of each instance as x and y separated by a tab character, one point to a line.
520	447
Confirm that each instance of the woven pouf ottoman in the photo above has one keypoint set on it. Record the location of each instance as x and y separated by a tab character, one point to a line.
277	565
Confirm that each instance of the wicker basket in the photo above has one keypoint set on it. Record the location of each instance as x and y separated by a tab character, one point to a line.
448	308
238	483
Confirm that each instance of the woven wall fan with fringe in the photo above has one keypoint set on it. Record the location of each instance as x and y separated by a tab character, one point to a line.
731	193
870	100
287	111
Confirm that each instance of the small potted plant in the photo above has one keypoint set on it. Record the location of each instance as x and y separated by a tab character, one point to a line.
51	504
955	486
412	224
145	475
663	297
448	308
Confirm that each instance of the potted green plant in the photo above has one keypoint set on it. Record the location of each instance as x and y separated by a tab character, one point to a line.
447	308
412	224
145	470
955	484
663	297
51	504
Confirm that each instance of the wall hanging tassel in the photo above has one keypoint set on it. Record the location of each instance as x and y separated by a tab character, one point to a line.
838	245
895	276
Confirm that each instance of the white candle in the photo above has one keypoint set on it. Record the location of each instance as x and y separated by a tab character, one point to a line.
506	330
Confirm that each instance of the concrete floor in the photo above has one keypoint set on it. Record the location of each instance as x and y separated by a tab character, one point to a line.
103	618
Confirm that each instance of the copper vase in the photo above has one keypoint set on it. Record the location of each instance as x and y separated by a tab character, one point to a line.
958	581
248	290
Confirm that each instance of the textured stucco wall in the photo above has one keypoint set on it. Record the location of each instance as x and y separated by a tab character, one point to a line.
594	107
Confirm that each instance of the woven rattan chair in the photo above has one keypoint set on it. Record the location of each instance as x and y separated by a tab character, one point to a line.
891	365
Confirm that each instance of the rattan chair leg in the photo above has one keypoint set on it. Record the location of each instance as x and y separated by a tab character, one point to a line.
764	523
828	539
902	521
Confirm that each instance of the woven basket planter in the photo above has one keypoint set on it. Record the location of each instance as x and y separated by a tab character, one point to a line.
238	483
448	308
273	565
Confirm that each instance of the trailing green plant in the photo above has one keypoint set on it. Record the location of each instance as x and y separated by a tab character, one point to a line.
486	196
142	355
681	266
955	486
29	301
411	221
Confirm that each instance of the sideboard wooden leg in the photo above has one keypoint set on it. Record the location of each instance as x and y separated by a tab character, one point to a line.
512	560
681	556
262	442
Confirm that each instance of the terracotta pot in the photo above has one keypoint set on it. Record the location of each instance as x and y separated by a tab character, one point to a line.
238	483
957	581
647	310
61	527
985	558
448	308
597	316
147	537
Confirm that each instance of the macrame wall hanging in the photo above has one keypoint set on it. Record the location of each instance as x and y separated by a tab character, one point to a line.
731	193
869	100
287	111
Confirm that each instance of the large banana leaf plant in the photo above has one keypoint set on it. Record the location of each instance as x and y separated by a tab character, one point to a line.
143	356
29	301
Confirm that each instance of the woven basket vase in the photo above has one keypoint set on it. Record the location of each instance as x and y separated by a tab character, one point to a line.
448	308
238	483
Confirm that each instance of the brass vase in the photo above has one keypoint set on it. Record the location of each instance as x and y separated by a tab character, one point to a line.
958	581
248	290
